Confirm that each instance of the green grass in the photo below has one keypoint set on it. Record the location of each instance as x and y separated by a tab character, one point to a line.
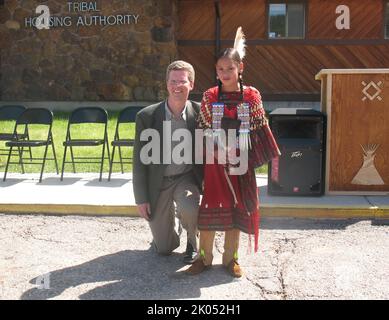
59	134
261	170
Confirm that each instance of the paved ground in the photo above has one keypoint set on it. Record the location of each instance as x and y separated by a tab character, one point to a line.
78	257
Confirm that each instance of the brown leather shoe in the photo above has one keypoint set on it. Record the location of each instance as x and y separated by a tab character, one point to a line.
234	269
197	267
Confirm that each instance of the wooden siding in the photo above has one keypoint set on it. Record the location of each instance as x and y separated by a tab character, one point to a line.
282	67
203	60
279	69
365	19
248	14
196	20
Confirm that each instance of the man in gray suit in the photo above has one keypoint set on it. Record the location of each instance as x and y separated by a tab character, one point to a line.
165	190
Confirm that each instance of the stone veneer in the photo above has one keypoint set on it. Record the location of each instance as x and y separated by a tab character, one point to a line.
96	63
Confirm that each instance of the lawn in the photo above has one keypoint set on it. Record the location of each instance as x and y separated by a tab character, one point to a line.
78	131
59	134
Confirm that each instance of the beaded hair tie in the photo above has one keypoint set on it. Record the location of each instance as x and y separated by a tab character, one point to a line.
217	115
244	130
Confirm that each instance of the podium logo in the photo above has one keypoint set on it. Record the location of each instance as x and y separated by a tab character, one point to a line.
376	90
368	174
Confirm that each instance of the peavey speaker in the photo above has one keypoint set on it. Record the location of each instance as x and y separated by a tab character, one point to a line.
300	134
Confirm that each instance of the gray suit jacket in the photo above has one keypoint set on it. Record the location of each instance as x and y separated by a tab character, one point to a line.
147	179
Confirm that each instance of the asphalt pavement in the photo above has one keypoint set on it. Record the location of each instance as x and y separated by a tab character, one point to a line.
87	257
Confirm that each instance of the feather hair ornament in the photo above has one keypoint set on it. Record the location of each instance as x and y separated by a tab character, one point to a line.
240	43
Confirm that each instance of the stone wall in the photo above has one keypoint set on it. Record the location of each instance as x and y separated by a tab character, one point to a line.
124	62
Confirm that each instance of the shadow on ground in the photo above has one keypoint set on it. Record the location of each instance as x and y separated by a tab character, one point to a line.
132	274
113	183
56	181
285	223
9	182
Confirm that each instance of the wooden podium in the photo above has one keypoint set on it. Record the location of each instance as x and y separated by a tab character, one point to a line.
356	102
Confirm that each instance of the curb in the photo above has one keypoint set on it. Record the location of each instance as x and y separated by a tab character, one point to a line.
72	209
131	211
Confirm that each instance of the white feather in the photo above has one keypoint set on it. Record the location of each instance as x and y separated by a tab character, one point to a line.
240	43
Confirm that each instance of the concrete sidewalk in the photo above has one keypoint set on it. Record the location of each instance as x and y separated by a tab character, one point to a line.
84	194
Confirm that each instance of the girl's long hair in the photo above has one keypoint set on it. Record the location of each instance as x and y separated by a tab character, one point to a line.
236	54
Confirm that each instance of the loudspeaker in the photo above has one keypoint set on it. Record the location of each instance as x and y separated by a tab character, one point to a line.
300	134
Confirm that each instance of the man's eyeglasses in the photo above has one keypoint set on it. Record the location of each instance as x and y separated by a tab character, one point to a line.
178	82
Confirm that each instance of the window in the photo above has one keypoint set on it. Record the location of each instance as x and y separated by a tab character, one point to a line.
286	20
387	21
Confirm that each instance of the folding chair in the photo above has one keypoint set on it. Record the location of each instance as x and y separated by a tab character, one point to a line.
29	117
10	113
85	116
126	116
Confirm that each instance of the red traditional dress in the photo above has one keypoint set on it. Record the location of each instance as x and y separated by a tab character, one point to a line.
221	208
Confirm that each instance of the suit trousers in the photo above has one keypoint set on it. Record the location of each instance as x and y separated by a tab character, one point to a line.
178	198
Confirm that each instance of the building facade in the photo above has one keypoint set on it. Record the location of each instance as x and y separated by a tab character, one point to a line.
107	50
117	51
288	41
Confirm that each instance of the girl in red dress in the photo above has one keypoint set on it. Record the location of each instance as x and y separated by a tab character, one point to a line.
230	202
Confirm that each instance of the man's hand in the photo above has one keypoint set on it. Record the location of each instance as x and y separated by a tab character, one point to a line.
144	210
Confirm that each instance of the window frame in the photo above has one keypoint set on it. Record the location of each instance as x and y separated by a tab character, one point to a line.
305	21
385	23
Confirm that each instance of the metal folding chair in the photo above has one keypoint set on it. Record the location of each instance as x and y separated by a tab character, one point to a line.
126	116
30	117
8	116
85	116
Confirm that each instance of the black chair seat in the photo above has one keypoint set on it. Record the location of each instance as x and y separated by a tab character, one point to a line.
28	119
83	142
10	136
84	117
27	143
123	143
126	116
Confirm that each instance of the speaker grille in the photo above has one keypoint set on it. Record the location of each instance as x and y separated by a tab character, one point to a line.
297	128
300	168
